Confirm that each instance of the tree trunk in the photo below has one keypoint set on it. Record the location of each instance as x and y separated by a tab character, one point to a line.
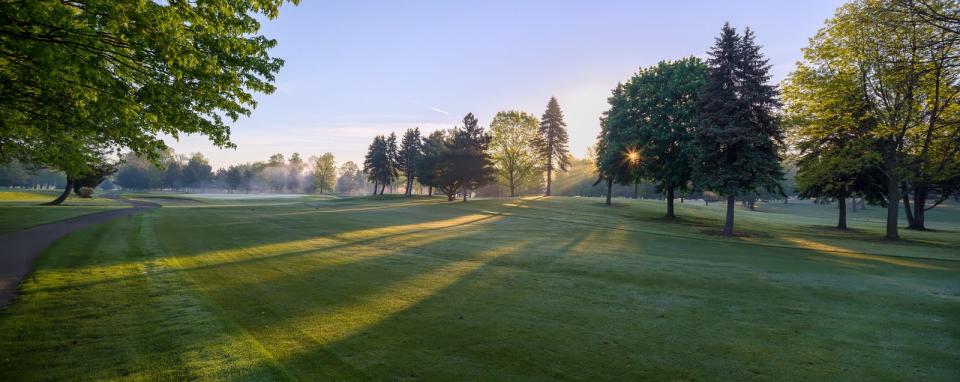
609	189
893	197
465	191
842	205
430	191
383	187
919	207
907	210
636	189
728	224
375	185
670	214
63	196
549	174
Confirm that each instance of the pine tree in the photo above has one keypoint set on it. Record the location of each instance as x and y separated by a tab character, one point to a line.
738	135
410	151
552	141
378	164
472	164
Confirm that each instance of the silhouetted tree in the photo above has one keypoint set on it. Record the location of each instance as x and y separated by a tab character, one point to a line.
552	141
409	154
471	163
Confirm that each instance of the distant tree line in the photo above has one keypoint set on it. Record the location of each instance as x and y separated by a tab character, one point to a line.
467	159
174	172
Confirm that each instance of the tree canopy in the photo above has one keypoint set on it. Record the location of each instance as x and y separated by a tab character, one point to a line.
85	78
516	159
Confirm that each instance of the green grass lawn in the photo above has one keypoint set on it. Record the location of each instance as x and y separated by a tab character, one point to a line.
535	289
24	209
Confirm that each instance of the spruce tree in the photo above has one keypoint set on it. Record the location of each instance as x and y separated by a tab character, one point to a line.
410	151
738	136
472	164
552	141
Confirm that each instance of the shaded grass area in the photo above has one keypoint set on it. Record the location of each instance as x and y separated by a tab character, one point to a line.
24	209
520	289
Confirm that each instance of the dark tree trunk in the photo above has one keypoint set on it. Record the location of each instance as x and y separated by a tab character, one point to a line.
465	191
609	189
919	208
728	224
893	196
63	196
670	214
636	189
842	205
383	187
549	175
375	185
430	191
907	210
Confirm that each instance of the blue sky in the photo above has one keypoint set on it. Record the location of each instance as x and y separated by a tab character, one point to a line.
355	69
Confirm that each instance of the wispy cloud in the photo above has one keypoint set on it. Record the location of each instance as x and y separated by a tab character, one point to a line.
444	112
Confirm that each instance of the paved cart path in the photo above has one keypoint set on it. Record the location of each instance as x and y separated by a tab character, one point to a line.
19	249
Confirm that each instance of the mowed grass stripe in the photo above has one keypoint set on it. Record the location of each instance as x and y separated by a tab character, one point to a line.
432	291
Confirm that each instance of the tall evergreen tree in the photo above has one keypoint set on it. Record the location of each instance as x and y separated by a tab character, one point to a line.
410	152
472	164
378	164
430	166
552	141
738	136
391	166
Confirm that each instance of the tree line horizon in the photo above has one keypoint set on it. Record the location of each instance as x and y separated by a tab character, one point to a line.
871	112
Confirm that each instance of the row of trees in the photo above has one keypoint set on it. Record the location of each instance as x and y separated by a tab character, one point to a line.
277	174
876	110
516	152
872	112
693	124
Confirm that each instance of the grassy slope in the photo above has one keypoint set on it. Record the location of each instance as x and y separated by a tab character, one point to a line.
531	289
19	209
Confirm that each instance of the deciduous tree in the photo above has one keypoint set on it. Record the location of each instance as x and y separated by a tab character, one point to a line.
515	155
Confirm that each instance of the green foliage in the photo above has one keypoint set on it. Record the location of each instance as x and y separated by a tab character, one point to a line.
112	75
325	172
351	179
903	57
738	137
410	151
551	141
661	103
516	159
468	152
379	163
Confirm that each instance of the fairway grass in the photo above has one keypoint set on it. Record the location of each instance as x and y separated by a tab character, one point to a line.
393	288
25	209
